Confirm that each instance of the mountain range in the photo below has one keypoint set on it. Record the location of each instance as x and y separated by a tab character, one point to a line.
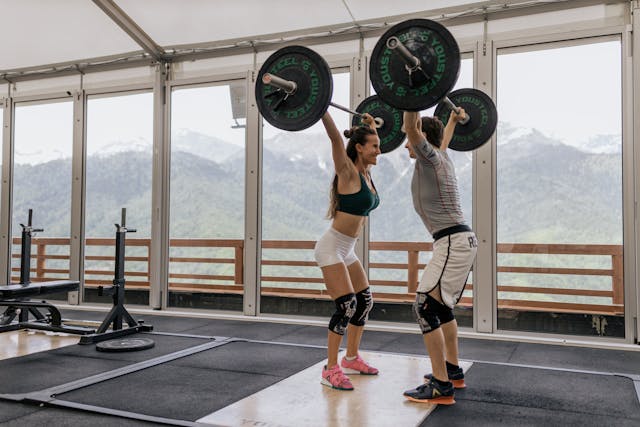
547	191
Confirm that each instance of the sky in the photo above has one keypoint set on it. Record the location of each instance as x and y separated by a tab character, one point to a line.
571	93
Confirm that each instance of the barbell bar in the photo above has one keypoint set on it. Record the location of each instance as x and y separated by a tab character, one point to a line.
293	91
290	87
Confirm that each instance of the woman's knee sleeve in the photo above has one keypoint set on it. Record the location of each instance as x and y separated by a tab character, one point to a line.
364	305
345	309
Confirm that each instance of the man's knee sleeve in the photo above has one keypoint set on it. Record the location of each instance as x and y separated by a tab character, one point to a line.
446	315
424	311
364	305
345	309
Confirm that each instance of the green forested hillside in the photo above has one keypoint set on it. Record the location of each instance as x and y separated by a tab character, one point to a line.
547	192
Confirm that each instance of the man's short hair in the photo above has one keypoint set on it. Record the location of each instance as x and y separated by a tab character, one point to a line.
434	129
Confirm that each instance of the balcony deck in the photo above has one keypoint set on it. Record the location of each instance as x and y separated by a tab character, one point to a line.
295	275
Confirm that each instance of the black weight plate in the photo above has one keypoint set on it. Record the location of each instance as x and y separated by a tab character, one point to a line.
125	344
311	99
439	54
483	118
390	133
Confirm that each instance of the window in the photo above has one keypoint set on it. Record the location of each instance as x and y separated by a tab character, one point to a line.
559	189
297	174
397	232
43	142
1	140
118	175
207	196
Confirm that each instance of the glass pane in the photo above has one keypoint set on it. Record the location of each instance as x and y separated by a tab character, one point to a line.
119	164
1	142
559	190
207	196
297	173
42	182
408	234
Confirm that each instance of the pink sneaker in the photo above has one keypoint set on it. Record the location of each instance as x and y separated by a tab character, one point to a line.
357	366
335	378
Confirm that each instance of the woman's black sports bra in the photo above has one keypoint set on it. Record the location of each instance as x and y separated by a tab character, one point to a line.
360	203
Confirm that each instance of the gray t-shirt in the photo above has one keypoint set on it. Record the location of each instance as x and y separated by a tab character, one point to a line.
434	188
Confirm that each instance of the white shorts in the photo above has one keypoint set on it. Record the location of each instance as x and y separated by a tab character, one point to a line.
334	247
449	267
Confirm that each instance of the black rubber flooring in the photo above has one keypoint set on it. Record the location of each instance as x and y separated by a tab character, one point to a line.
46	369
194	386
498	393
517	396
14	414
186	388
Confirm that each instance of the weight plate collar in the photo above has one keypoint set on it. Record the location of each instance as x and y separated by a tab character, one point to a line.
439	57
309	102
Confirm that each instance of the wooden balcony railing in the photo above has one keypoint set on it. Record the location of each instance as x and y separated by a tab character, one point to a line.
98	271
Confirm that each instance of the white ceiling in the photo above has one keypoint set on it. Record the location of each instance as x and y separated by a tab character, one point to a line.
56	35
35	33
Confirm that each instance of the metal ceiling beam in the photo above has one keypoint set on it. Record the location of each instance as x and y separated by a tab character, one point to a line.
450	16
98	64
130	27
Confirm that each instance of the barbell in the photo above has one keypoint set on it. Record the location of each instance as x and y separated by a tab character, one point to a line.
413	67
294	90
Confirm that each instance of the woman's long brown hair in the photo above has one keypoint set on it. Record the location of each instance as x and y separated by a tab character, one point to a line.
356	135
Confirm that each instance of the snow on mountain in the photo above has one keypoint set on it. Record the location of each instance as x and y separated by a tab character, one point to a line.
135	144
600	143
609	144
202	145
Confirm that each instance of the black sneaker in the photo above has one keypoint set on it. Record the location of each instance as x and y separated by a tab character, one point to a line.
455	374
432	392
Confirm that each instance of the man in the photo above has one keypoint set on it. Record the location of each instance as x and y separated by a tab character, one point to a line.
436	200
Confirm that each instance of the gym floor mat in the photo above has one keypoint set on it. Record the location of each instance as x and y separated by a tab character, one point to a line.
516	395
46	369
194	386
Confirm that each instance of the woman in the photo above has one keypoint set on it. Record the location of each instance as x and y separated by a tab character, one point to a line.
353	196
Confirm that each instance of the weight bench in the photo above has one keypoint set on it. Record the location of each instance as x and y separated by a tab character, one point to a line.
17	296
18	290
